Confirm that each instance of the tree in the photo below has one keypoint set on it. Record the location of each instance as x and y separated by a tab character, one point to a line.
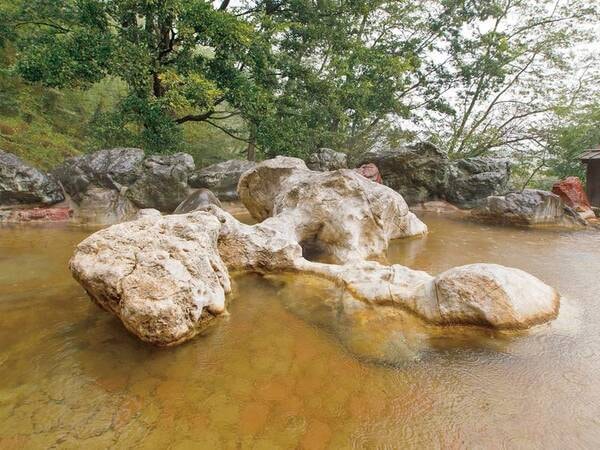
182	60
508	67
346	69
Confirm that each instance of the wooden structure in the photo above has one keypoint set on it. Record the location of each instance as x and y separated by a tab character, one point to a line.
591	158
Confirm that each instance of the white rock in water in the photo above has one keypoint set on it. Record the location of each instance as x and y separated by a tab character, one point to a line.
350	217
165	276
494	295
162	276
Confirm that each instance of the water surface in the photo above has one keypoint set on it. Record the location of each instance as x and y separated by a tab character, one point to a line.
299	364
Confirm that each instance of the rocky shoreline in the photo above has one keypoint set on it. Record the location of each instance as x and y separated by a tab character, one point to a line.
113	185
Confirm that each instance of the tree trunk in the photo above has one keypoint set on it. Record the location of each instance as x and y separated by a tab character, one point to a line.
251	149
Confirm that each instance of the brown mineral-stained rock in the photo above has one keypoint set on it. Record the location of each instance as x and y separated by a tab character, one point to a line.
572	192
51	214
370	172
162	277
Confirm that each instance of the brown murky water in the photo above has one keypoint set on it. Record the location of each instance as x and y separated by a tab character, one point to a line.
298	364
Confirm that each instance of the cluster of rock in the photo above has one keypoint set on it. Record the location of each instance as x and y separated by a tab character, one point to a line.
166	276
530	207
423	173
111	186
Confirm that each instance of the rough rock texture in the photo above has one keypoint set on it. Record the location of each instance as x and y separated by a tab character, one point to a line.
110	185
162	277
419	173
110	169
471	180
104	206
51	214
163	184
572	192
423	173
528	207
349	217
222	178
370	172
22	184
198	199
489	294
326	159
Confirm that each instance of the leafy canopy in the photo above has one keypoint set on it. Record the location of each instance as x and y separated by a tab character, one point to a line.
179	58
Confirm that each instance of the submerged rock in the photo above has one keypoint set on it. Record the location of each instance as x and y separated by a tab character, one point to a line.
21	184
529	207
487	295
571	191
162	276
198	199
326	159
222	178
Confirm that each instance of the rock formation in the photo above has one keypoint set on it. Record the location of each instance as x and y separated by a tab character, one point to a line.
326	159
198	199
530	207
346	216
111	185
423	173
164	276
471	180
571	191
370	172
21	184
163	183
222	178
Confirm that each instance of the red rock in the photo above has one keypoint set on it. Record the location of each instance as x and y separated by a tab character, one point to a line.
59	214
571	191
369	171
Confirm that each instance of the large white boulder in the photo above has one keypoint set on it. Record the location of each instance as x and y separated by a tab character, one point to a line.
162	276
349	217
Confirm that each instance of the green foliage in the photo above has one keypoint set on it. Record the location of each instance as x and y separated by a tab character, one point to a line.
179	60
475	78
580	132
